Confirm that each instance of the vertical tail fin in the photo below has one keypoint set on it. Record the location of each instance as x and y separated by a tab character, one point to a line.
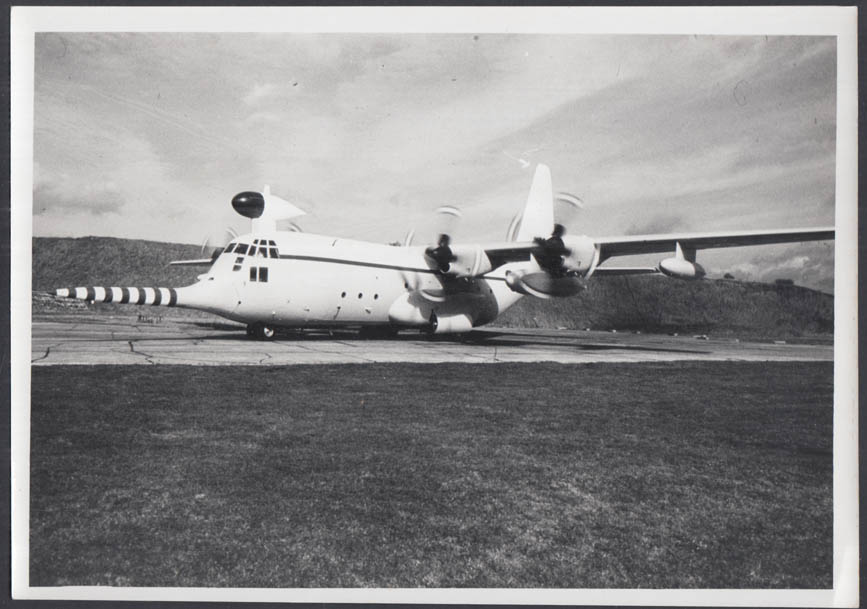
537	219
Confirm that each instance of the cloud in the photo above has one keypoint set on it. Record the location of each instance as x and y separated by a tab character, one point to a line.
94	200
665	223
809	264
259	92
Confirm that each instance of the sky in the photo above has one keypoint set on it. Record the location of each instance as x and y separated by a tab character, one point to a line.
149	135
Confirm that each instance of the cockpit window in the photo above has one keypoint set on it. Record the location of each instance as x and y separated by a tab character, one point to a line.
273	252
241	249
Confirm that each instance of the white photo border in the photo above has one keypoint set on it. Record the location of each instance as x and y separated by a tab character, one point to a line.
840	22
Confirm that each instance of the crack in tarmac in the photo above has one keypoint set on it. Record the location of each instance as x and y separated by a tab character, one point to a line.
320	350
147	357
45	356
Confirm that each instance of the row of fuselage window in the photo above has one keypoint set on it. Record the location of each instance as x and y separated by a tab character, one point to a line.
260	274
360	295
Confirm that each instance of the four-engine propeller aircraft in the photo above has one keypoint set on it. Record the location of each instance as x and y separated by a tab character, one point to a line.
274	278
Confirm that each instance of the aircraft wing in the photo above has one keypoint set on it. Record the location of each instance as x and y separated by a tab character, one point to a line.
512	251
609	247
652	244
626	270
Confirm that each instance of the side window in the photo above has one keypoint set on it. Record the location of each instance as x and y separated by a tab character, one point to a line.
273	252
258	273
241	249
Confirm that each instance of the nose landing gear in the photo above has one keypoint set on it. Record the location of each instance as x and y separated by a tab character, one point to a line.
260	331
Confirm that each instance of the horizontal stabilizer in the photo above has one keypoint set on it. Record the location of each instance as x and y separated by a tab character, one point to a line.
199	262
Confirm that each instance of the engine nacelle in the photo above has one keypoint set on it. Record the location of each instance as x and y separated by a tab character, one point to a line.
582	253
442	313
542	285
680	268
470	261
450	324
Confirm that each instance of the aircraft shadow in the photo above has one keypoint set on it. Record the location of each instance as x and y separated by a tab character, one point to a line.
577	344
488	338
480	338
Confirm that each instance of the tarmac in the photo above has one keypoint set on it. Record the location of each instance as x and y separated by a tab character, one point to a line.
87	339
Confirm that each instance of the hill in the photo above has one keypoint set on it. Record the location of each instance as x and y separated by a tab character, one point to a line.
659	304
63	262
638	303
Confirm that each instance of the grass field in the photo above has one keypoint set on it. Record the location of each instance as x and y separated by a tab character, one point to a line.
543	475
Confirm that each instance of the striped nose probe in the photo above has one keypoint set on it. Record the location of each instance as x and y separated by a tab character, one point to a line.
167	297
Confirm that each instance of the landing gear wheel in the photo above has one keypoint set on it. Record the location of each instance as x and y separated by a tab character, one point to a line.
261	331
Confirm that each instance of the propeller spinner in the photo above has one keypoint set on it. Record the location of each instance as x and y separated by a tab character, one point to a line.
549	253
442	254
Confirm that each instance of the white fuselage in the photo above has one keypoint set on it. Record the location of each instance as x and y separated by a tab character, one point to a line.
316	280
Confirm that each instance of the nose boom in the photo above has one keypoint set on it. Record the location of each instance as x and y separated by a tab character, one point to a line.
167	297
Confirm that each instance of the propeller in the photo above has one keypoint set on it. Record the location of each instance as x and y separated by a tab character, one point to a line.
210	243
550	251
407	241
567	209
441	254
288	226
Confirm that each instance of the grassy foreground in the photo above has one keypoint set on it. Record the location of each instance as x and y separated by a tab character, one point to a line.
543	475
